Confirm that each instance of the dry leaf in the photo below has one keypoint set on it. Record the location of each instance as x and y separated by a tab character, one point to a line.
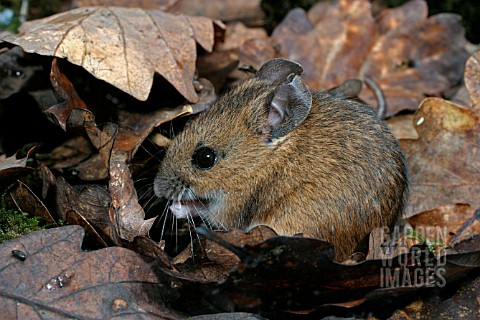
226	10
11	169
27	201
129	215
60	112
445	222
218	260
408	55
90	207
71	153
444	162
103	138
402	126
472	78
58	281
123	46
462	305
135	127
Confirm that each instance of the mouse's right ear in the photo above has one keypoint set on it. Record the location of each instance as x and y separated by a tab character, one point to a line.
289	107
291	101
276	71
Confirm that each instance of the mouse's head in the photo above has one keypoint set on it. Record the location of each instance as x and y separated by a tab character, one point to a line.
214	167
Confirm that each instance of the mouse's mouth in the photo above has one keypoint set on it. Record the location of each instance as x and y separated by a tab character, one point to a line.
188	208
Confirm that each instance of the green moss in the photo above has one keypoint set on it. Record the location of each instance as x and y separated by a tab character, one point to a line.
14	224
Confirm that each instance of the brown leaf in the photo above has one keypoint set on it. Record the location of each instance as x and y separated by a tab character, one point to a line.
236	33
90	207
60	281
462	305
221	255
112	44
225	10
444	222
135	127
150	248
71	154
343	37
144	4
59	113
417	60
210	260
407	54
402	126
248	11
444	161
27	201
11	169
129	214
285	271
103	138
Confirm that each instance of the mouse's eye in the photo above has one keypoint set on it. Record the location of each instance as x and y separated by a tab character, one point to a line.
204	158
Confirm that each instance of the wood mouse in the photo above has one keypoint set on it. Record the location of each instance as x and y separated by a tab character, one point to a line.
272	152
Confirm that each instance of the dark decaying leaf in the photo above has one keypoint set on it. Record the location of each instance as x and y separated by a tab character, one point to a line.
90	207
111	43
27	201
59	281
83	121
294	273
59	113
460	306
213	259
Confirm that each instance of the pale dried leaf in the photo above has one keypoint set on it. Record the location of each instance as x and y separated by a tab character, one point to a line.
472	78
123	46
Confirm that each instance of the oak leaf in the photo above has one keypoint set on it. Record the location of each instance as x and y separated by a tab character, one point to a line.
57	280
123	46
407	54
444	162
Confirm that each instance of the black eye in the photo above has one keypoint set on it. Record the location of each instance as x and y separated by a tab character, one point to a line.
204	158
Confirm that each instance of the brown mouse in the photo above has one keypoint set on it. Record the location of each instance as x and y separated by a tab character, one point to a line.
272	152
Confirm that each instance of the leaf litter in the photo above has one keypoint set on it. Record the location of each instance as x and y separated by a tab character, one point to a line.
89	180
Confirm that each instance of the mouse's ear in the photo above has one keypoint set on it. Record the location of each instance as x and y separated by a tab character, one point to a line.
290	105
276	71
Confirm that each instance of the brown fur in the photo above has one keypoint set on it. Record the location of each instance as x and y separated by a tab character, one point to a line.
337	176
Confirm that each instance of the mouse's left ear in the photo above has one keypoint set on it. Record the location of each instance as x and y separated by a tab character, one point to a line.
289	107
